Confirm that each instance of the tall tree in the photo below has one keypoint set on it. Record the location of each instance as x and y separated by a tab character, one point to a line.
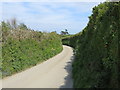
64	32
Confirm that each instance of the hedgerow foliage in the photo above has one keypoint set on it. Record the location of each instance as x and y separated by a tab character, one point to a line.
23	48
71	40
97	53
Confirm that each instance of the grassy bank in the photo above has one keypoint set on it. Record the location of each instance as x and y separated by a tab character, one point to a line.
23	48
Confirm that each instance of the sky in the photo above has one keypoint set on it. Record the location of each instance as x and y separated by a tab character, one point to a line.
49	16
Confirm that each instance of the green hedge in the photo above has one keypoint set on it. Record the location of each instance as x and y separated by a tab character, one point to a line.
97	53
22	49
71	40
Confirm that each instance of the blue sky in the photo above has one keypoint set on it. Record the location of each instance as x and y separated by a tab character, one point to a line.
50	16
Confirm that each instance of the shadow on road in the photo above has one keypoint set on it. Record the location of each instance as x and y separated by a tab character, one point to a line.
68	78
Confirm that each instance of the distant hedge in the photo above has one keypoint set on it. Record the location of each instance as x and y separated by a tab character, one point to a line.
71	40
97	51
23	48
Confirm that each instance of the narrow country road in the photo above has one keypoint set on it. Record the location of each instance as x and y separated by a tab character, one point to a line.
53	73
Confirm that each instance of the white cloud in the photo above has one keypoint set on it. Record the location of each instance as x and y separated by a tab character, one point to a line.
50	16
11	10
53	0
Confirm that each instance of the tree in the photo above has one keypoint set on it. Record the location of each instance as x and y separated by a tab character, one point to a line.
64	32
23	26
